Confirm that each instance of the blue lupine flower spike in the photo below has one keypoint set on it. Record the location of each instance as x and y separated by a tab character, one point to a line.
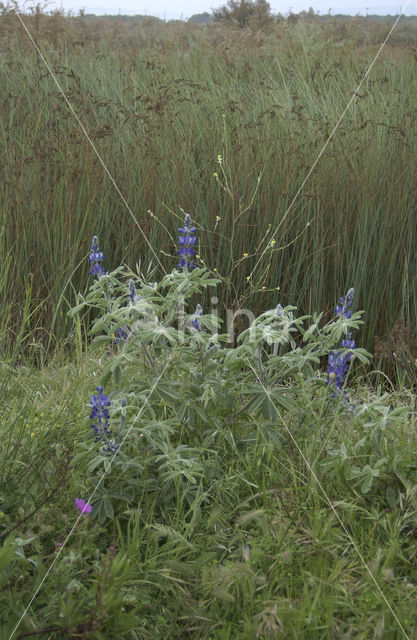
338	364
186	245
100	414
96	256
343	308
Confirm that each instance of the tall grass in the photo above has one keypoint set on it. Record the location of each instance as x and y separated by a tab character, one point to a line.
161	102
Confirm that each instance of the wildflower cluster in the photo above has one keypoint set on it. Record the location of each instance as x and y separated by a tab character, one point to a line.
100	414
339	362
186	245
145	319
96	256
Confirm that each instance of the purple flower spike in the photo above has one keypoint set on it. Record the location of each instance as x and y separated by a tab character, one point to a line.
343	308
186	245
96	256
338	366
83	506
339	363
100	414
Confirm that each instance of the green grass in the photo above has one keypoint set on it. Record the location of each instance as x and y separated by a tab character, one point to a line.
248	499
258	553
210	524
153	100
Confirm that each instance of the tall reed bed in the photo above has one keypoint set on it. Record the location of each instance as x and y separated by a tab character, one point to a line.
225	124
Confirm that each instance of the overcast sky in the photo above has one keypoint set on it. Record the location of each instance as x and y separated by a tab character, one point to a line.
183	9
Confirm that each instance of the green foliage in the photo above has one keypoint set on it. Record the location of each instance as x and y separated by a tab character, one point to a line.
246	495
156	118
208	521
179	389
200	18
244	12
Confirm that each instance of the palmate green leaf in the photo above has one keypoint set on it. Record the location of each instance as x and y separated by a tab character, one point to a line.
102	324
97	461
256	404
115	362
280	398
313	328
157	431
103	509
362	355
265	400
310	332
269	409
166	392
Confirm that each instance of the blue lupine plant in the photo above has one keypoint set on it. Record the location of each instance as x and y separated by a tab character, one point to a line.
186	245
339	363
100	414
96	256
